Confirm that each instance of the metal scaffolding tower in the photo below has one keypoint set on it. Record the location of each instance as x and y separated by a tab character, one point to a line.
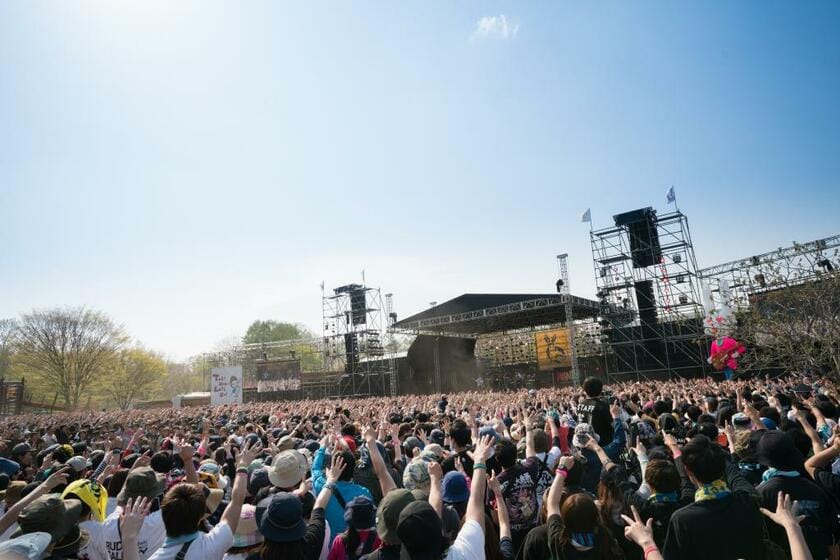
564	288
390	344
651	310
353	340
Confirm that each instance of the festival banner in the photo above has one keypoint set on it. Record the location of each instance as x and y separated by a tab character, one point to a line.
553	349
226	385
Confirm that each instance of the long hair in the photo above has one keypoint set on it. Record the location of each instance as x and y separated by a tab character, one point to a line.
612	502
580	515
351	542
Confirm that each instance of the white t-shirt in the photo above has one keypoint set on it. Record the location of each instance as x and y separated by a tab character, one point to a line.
209	546
325	548
469	545
93	529
108	544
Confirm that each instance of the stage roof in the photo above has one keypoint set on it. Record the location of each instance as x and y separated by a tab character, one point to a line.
475	314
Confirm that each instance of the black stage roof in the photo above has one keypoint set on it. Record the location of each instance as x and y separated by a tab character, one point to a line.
475	314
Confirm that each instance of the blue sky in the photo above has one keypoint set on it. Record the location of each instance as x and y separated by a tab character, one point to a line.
188	167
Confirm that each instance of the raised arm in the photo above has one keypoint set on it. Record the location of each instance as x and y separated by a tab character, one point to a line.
386	482
187	452
559	483
57	478
823	458
501	507
475	507
240	485
435	496
816	442
332	476
785	517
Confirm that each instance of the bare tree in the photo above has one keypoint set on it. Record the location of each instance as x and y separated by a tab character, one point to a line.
67	348
793	326
7	331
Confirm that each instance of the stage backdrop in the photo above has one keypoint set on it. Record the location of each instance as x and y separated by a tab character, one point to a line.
278	375
226	385
553	349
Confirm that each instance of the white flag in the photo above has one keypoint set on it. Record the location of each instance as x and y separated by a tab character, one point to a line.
670	196
586	216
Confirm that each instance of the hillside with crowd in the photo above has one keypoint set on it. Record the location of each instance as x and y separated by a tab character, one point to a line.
682	469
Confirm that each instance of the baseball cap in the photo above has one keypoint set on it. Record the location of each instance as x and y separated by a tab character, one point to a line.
287	469
21	449
388	514
77	463
420	531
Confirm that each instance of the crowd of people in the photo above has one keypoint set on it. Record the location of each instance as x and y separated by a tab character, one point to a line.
683	469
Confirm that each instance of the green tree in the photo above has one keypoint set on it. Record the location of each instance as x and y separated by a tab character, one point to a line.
273	331
67	348
135	374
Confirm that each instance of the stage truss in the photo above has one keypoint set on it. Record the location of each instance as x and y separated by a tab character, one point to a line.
666	338
733	283
354	336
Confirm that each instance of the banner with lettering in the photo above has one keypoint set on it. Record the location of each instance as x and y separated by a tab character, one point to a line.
226	385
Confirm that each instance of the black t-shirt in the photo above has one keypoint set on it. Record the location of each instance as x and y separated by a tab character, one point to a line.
724	529
812	502
448	464
597	413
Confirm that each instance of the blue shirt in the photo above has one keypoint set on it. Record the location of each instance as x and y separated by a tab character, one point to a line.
348	491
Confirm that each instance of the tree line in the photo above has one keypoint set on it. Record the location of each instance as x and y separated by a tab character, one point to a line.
81	358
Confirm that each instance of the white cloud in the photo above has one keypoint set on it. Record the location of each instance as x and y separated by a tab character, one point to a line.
495	27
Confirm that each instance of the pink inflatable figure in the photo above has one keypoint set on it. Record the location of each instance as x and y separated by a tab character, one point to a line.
724	354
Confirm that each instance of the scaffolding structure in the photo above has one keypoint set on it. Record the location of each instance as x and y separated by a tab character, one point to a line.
353	341
390	344
564	288
650	304
732	284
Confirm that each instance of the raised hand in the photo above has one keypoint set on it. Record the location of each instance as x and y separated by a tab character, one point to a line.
637	531
248	454
57	478
483	449
784	511
336	468
493	485
730	432
132	517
